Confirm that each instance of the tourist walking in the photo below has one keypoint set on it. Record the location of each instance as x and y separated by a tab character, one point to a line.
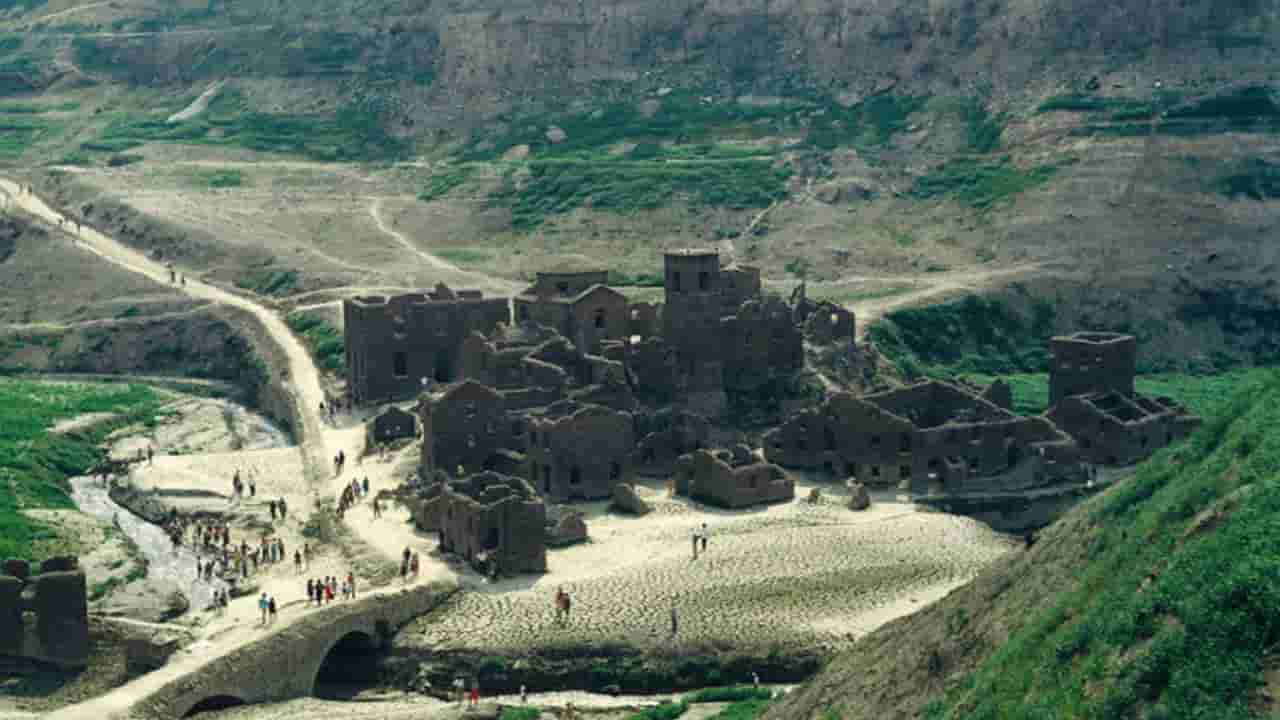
404	564
297	562
271	608
263	607
253	488
151	455
351	580
311	591
413	566
475	692
675	622
704	537
695	544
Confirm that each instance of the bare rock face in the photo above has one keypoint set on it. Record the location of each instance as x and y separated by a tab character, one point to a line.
859	498
148	651
626	500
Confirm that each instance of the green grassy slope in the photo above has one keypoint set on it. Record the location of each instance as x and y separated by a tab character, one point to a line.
1157	599
35	464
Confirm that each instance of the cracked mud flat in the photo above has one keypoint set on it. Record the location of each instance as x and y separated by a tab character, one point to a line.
796	574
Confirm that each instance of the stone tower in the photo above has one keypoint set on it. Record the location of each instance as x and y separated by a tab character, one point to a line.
691	317
1091	362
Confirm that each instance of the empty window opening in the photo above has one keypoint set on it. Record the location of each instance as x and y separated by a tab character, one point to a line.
704	280
615	471
575	475
829	437
491	539
599	319
546	478
904	472
905	443
675	281
400	364
875	471
563	288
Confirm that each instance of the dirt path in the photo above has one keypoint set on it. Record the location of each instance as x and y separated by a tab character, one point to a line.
375	207
68	11
198	105
872	309
303	380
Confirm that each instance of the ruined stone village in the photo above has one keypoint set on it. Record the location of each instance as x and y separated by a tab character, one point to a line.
567	392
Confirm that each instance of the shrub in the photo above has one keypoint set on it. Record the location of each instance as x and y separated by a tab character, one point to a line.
731	693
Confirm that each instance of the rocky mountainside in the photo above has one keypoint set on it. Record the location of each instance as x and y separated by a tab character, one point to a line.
1124	152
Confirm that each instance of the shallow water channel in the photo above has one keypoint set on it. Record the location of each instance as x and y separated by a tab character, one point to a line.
171	569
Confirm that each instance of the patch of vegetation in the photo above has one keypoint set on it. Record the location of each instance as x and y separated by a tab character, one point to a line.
560	186
22	126
619	278
661	711
523	712
844	297
1175	613
353	133
269	281
123	159
982	131
1117	108
980	185
9	43
974	335
1202	394
226	178
731	693
443	182
1250	110
744	709
1253	178
322	339
35	464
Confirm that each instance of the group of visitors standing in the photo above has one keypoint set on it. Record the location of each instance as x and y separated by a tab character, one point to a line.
352	493
322	591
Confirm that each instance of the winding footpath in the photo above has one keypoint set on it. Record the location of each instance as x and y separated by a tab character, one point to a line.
439	263
303	381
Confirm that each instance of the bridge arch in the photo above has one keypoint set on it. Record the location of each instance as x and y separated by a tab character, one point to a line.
213	702
350	661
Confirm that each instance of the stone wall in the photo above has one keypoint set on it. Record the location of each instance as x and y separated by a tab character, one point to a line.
1086	363
392	343
579	452
932	436
1112	429
493	521
44	614
732	479
463	426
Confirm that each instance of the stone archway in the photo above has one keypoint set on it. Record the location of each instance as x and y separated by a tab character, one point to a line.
348	666
212	703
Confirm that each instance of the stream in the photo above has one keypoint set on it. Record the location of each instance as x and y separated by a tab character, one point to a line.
171	568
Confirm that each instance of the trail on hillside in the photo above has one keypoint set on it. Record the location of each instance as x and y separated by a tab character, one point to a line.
434	261
303	382
198	105
872	309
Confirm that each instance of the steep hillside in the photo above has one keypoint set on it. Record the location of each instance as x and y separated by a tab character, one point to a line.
1123	157
1156	599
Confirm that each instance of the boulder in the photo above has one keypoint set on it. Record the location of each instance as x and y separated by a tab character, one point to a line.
628	501
815	495
859	498
555	135
144	653
64	563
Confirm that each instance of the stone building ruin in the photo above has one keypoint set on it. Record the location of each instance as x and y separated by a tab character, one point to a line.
930	437
578	305
44	612
393	344
732	478
580	452
1093	399
495	522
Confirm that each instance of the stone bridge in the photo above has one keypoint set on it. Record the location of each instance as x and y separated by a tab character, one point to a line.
281	664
